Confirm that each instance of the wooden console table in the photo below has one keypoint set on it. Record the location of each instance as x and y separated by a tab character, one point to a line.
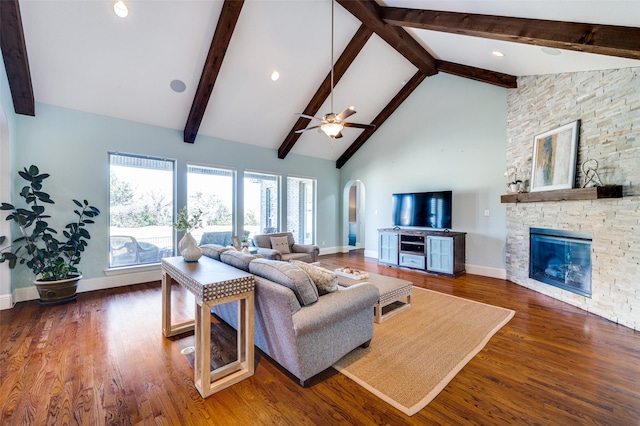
212	283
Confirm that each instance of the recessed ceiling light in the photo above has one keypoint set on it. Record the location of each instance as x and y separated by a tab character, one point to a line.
177	86
551	51
121	9
275	76
498	53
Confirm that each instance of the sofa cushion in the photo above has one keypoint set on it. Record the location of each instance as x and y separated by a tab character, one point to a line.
288	275
304	257
324	279
281	244
237	259
213	250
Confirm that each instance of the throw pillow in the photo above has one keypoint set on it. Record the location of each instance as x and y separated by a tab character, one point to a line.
324	279
281	244
213	250
237	259
287	275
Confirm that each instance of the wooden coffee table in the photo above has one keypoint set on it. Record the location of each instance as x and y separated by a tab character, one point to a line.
395	294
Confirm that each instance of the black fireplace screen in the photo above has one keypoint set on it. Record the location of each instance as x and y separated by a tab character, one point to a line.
561	258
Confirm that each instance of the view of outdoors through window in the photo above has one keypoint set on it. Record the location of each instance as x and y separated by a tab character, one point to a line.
141	205
211	190
301	209
261	203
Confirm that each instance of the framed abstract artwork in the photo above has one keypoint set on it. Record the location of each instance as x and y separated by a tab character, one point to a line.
554	158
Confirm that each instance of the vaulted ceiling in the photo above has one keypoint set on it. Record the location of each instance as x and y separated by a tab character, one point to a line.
79	55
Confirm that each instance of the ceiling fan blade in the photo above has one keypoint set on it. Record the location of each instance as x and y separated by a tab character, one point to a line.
308	128
310	117
346	113
359	126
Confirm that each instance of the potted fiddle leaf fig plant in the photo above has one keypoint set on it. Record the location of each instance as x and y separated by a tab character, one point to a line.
52	258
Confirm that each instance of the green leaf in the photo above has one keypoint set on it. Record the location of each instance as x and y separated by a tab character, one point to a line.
33	170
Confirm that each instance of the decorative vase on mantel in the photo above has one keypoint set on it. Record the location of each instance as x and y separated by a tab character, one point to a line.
188	248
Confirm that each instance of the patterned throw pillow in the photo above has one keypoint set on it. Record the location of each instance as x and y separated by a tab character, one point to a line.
281	244
324	279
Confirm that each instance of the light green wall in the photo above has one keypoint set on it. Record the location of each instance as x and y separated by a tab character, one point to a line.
72	147
450	134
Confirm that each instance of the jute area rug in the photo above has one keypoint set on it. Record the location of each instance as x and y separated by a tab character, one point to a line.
416	353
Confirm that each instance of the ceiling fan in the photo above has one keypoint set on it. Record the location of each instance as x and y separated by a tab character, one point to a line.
331	123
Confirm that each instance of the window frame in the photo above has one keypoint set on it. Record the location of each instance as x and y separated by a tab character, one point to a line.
171	210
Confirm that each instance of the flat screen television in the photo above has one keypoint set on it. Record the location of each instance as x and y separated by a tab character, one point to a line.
423	209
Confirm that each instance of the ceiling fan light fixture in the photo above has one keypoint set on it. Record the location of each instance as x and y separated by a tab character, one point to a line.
120	9
332	129
275	76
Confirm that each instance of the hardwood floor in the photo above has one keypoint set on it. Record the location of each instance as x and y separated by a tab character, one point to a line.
103	360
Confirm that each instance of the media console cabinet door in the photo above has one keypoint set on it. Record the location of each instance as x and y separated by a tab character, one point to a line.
440	254
388	248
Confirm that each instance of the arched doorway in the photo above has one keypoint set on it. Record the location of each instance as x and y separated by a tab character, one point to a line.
354	214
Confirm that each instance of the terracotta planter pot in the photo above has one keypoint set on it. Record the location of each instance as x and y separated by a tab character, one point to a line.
57	292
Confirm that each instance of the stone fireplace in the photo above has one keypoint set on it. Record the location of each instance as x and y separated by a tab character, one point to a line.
607	103
561	258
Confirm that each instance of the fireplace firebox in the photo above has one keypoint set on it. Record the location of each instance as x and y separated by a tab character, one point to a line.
561	258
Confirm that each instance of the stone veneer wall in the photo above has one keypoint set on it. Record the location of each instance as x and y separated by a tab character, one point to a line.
607	103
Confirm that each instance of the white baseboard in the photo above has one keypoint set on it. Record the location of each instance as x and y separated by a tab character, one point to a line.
91	284
486	271
371	253
331	250
6	301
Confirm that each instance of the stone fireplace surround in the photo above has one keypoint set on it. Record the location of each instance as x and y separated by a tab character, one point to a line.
608	105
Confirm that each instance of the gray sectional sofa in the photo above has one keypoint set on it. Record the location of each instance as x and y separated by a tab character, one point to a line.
303	329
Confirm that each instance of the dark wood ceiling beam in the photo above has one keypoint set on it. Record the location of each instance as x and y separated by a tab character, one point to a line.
354	47
371	15
222	36
368	12
14	54
397	100
592	38
496	78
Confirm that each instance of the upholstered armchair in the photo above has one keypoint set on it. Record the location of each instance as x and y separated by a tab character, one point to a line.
280	246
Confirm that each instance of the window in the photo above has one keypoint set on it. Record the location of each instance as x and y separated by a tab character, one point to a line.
261	203
212	190
141	206
301	209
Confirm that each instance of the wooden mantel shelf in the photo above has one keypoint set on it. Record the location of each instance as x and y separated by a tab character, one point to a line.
593	193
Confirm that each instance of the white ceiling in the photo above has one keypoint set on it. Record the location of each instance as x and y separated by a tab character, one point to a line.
84	57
